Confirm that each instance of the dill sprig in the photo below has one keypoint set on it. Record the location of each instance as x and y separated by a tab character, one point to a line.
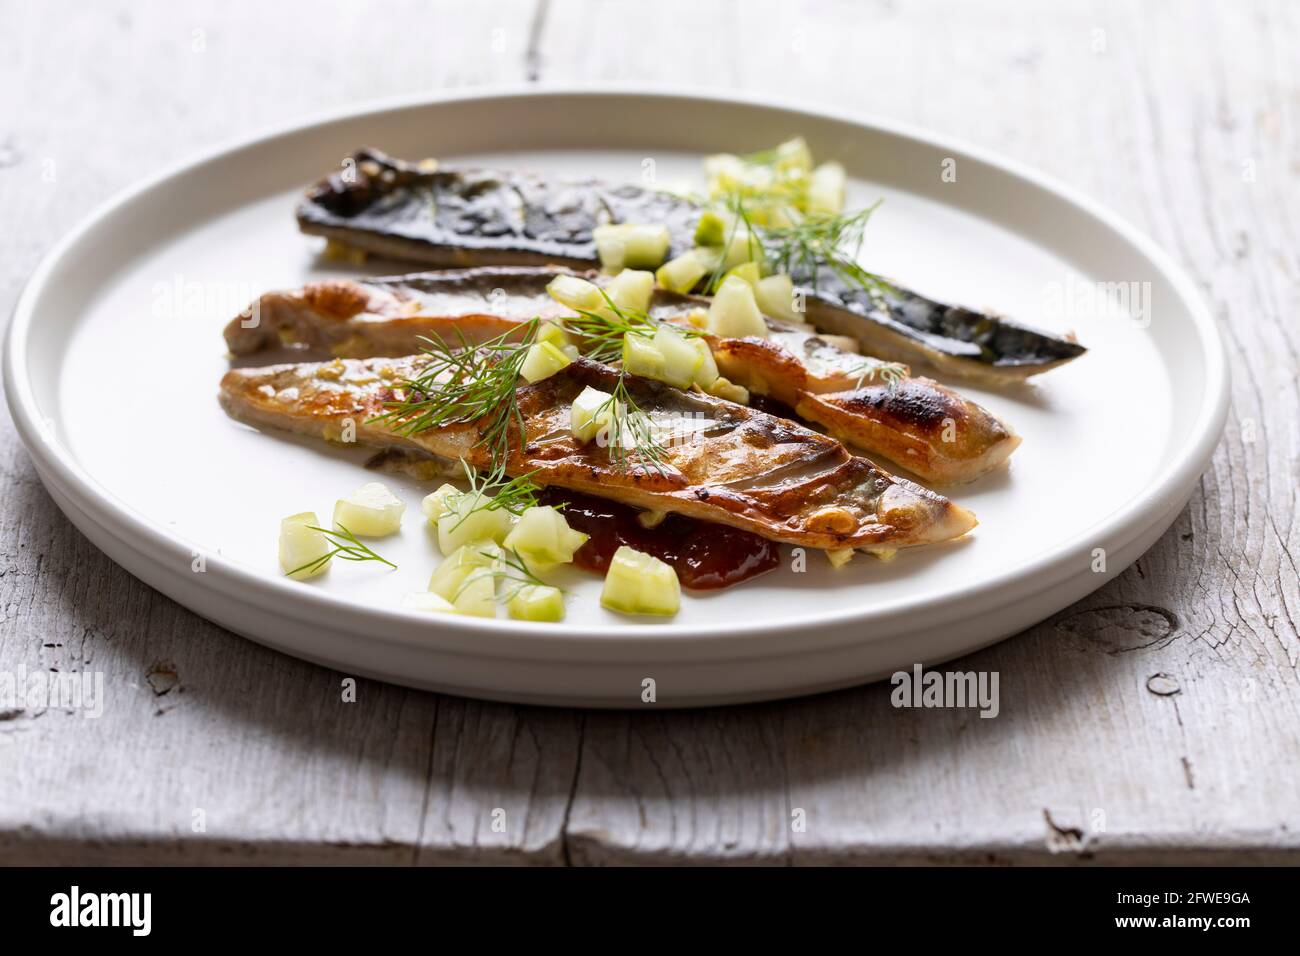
346	548
466	383
493	491
505	566
835	241
740	216
602	332
630	434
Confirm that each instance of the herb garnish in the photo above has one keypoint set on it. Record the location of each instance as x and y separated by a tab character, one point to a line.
506	566
602	332
630	433
346	548
466	383
493	491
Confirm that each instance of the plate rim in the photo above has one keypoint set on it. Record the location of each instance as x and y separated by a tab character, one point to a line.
56	461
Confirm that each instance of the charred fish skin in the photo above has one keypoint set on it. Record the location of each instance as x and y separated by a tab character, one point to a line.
735	466
463	216
918	424
446	216
960	341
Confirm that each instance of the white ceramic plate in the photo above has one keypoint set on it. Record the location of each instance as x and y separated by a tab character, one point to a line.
115	351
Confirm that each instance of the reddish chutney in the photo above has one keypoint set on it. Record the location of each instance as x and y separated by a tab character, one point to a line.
706	556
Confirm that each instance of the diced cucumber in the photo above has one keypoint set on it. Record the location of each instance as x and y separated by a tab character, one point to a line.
477	595
440	502
734	313
631	289
793	156
638	583
775	297
591	410
469	521
729	391
543	535
578	294
748	272
680	274
554	333
711	230
427	601
542	361
534	602
642	357
629	245
300	546
707	373
742	247
371	511
681	359
826	189
460	564
725	172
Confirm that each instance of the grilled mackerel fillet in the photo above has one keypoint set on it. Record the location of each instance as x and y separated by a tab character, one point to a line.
916	423
739	467
456	217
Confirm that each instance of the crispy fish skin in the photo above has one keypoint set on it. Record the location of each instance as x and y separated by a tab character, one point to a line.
928	429
448	216
453	217
740	467
824	384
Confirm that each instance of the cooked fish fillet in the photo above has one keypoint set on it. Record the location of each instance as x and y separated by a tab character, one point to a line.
928	429
441	215
731	465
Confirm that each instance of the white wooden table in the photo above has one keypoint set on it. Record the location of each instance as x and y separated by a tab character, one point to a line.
1155	721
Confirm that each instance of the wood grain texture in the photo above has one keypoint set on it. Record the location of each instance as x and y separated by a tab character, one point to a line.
1154	721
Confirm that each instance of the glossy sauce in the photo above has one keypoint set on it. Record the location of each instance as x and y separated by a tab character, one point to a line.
706	556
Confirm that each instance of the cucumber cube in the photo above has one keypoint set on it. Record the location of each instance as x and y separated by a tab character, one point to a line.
681	273
631	289
534	602
641	356
707	372
371	511
734	313
469	521
775	297
476	558
638	583
630	246
826	189
542	535
681	359
711	230
542	361
748	272
440	502
300	546
592	410
578	294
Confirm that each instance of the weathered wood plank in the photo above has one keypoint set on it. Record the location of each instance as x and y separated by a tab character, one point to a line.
1161	113
1153	721
196	719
